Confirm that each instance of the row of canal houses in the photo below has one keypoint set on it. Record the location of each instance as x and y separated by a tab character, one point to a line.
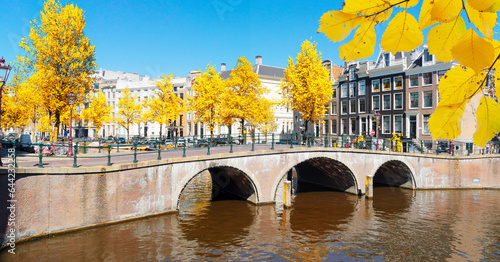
394	95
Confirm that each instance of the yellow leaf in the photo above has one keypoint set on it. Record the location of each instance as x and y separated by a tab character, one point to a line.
457	85
402	34
361	46
406	4
446	121
473	51
365	7
483	21
485	5
446	10
337	25
488	121
424	18
443	37
497	82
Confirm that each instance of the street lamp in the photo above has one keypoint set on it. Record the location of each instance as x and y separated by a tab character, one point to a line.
377	119
71	100
4	75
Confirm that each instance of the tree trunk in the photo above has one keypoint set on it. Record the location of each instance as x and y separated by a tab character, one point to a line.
161	125
56	127
243	131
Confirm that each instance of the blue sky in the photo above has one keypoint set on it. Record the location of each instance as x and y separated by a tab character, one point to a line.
172	36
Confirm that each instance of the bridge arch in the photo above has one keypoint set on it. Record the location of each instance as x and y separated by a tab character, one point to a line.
321	171
395	173
227	181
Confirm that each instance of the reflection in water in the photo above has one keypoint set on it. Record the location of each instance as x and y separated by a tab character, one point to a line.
397	225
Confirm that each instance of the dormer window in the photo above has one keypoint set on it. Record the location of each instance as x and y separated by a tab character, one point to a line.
428	58
352	73
387	59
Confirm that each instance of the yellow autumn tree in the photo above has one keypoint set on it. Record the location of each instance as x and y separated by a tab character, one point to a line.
267	123
243	96
129	111
15	107
165	107
98	112
306	87
59	57
208	96
475	49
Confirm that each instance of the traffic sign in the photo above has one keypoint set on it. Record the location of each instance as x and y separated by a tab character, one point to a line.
372	132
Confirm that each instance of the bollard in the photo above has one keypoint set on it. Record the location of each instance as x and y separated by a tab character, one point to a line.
253	142
208	150
184	151
135	152
159	150
231	144
117	147
287	194
326	140
40	164
75	155
99	146
84	146
369	186
272	143
109	155
291	141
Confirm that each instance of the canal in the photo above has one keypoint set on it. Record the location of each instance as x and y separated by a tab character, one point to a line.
396	225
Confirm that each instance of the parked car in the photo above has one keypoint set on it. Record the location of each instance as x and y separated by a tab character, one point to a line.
202	143
121	140
25	143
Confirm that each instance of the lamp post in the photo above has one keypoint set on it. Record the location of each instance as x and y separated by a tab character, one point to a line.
377	119
71	100
4	75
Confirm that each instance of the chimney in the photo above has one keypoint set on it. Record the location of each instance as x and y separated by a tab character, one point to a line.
223	67
258	60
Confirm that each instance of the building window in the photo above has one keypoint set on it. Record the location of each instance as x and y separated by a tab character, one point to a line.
352	106
398	101
334	126
398	82
352	73
343	108
427	78
387	60
344	126
352	89
352	124
427	99
343	92
376	103
414	80
334	92
375	85
362	88
327	109
398	124
362	105
386	124
325	127
414	100
441	74
428	58
426	124
387	102
334	108
386	84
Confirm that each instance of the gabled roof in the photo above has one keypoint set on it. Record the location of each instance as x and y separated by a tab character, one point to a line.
261	70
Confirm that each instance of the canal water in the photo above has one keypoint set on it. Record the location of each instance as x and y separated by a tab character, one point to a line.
396	225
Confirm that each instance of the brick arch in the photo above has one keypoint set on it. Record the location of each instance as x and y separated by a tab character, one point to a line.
351	176
395	172
249	181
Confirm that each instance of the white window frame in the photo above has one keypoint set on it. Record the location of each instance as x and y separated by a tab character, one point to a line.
383	102
334	131
342	107
352	89
394	100
394	123
395	86
423	79
373	103
383	126
342	88
439	72
361	83
382	86
351	111
425	125
351	131
423	98
359	105
418	80
334	112
409	100
377	81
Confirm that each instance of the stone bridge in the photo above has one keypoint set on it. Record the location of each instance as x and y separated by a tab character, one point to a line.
55	200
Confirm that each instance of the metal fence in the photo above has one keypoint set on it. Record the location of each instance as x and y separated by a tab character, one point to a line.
83	148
